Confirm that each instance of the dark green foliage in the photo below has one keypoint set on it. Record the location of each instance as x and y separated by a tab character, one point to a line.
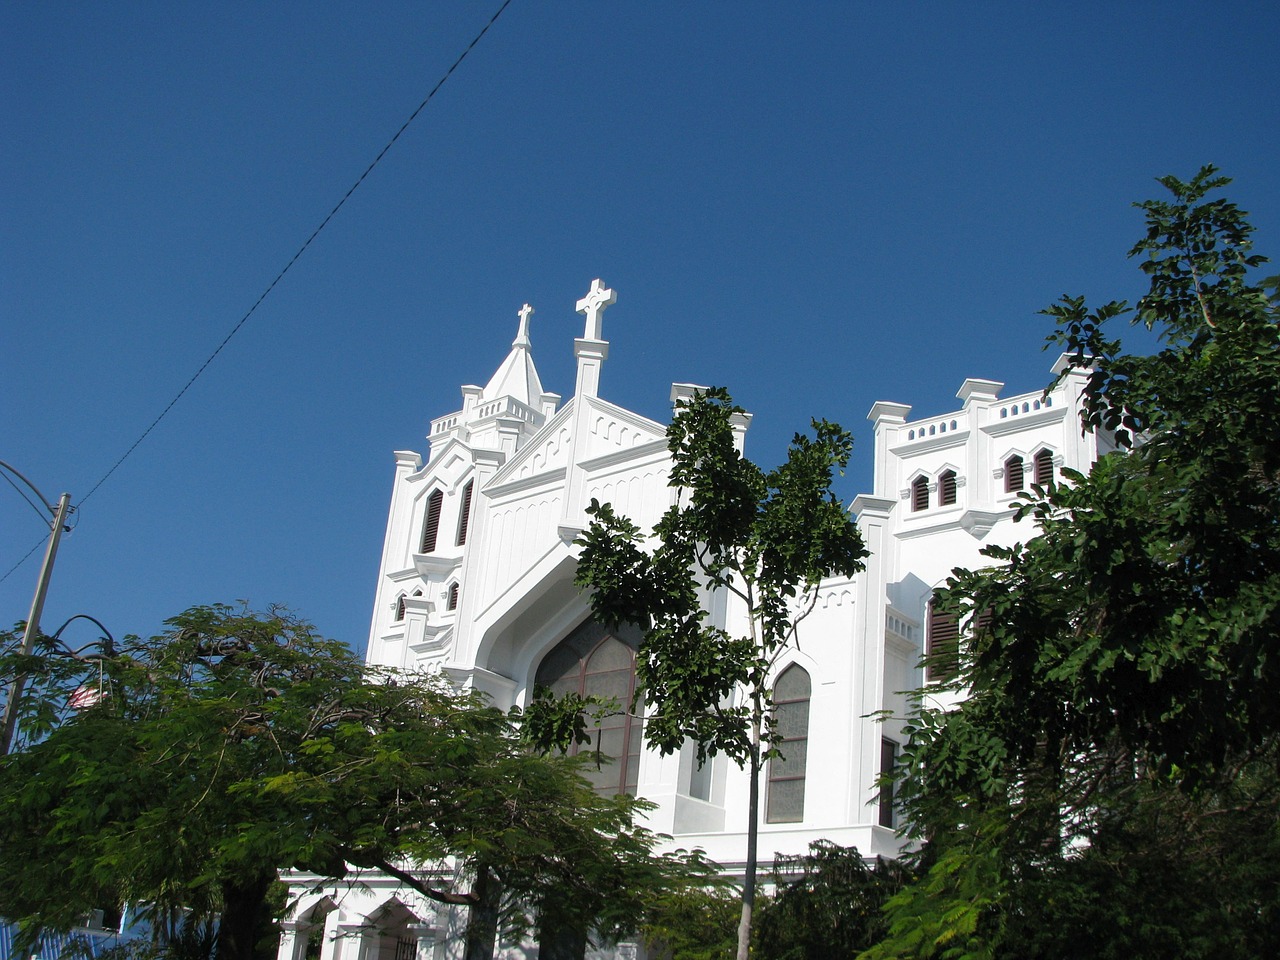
236	745
1109	787
693	924
826	905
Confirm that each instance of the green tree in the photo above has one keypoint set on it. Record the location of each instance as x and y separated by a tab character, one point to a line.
827	904
694	924
237	745
1115	758
765	538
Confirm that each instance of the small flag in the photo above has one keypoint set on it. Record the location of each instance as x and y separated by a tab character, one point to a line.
86	696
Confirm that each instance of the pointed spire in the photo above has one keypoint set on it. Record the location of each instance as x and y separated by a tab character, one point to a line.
517	377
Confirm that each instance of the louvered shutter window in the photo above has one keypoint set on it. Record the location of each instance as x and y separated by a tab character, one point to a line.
888	760
431	528
465	519
1013	474
943	647
920	494
400	609
453	597
1043	468
947	488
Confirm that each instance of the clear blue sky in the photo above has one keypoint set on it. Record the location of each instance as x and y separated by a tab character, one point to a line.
818	205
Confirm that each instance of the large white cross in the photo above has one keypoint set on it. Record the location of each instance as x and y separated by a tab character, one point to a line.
593	305
523	336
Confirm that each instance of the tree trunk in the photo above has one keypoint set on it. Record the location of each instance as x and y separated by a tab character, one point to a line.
482	918
557	942
243	908
753	835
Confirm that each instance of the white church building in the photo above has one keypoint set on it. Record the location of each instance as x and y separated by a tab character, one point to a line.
476	579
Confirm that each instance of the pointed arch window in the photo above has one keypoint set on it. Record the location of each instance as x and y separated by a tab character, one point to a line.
785	800
1042	469
595	661
919	494
431	527
1013	474
464	519
947	488
400	611
452	602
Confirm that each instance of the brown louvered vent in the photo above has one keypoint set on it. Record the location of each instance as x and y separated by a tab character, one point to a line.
431	529
465	519
1013	478
943	647
888	760
947	489
1043	468
453	597
920	494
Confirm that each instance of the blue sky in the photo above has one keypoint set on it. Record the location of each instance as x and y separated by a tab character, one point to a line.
818	205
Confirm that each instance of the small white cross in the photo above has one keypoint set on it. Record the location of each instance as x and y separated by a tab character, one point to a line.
522	338
593	305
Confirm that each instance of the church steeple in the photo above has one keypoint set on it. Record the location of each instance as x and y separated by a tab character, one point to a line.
505	412
517	377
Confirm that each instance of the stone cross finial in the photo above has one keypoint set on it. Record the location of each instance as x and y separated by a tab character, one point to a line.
592	306
522	338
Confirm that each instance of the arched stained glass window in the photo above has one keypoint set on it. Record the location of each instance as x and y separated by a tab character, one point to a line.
785	800
593	661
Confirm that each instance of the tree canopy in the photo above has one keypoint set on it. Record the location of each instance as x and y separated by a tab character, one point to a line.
1108	786
765	538
236	745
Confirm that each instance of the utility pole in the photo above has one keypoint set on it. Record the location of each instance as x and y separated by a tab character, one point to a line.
60	514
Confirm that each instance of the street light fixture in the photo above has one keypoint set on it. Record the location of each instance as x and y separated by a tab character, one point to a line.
56	526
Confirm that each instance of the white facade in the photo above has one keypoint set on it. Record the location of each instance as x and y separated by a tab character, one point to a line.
486	593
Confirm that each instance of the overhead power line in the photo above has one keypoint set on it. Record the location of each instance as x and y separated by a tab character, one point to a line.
280	276
301	250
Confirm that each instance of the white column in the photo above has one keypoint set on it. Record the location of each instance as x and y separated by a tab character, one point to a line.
291	945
